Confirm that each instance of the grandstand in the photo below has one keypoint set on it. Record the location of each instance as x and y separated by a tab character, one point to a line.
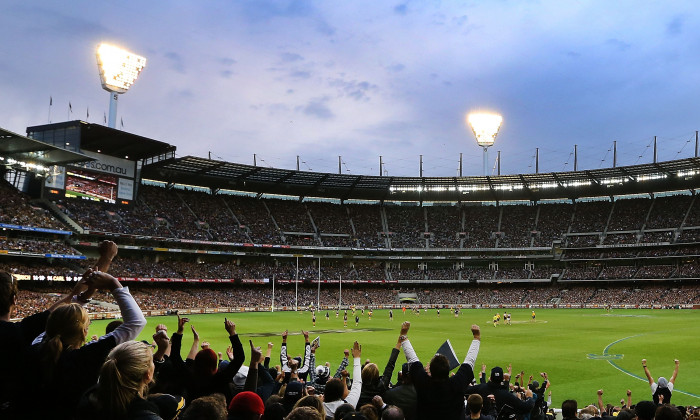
223	232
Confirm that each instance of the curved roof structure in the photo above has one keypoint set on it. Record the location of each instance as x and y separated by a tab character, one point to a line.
646	178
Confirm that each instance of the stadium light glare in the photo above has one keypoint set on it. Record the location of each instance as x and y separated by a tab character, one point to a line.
485	126
118	69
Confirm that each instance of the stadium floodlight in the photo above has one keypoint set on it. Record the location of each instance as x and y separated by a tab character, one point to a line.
485	127
119	69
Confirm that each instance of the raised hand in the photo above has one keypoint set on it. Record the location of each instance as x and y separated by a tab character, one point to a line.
195	334
347	353
255	354
284	336
229	326
306	335
181	324
476	332
229	353
161	338
205	345
405	326
107	249
356	350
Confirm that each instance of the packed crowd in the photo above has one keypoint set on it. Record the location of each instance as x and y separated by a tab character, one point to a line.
16	209
36	247
184	296
115	377
198	215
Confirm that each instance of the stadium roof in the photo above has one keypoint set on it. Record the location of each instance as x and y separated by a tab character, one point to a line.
110	141
647	178
21	148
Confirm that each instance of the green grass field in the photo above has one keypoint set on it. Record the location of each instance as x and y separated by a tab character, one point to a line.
582	350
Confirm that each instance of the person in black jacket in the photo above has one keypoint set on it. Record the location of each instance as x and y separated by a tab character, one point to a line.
439	395
202	375
123	387
372	383
508	405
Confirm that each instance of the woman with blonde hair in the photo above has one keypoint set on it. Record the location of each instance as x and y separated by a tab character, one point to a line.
67	367
313	402
123	385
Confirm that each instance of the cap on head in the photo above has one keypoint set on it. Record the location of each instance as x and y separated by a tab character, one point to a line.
497	374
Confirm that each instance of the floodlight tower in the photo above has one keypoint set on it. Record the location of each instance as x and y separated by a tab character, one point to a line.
485	127
118	71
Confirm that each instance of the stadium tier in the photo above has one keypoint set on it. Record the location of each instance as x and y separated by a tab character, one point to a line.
192	220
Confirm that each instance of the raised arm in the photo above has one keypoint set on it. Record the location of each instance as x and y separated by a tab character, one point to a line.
232	368
601	407
134	321
408	351
470	358
108	250
283	352
343	364
646	372
176	342
675	372
354	395
629	398
251	381
307	354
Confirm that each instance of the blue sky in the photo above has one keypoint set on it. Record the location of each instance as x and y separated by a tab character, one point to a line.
362	79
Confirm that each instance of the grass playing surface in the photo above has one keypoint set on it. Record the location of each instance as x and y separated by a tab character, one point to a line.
581	350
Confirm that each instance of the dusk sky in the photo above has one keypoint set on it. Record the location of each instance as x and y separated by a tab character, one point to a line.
362	79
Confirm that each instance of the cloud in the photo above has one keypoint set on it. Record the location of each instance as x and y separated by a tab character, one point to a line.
619	44
401	9
318	108
299	74
396	67
226	61
675	26
175	61
353	89
226	74
287	57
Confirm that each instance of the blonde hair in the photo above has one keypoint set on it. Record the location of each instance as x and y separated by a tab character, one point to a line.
66	329
313	402
122	377
370	374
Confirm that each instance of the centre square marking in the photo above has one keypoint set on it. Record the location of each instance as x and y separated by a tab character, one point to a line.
606	356
315	332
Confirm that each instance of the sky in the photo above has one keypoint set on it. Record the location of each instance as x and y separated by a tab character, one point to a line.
363	79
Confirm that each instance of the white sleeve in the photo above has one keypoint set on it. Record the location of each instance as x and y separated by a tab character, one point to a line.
470	359
409	352
134	321
307	355
354	395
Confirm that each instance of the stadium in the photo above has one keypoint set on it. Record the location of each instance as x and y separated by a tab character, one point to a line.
201	236
571	278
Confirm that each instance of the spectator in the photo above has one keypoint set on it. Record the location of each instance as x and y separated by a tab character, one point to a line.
65	367
404	394
663	387
121	391
246	405
569	409
335	388
438	394
372	383
474	405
